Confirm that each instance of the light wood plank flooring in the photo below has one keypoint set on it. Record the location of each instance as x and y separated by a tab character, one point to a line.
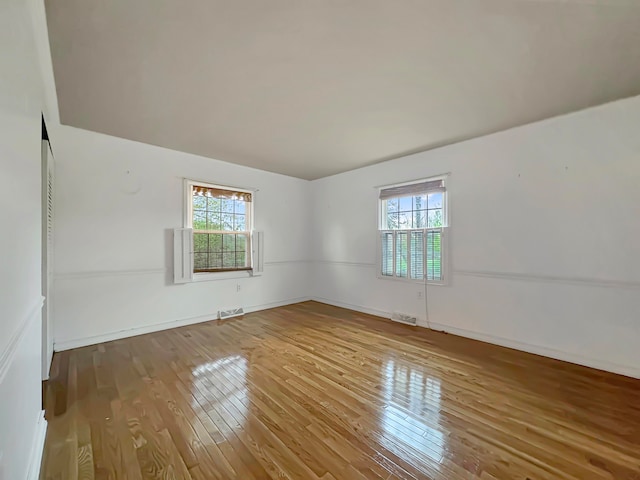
312	391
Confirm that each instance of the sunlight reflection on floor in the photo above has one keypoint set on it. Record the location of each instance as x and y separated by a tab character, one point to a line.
412	397
227	377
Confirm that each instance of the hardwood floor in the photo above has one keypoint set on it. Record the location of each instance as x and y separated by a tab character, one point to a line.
313	391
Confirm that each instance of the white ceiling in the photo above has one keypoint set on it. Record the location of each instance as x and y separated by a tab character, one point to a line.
310	88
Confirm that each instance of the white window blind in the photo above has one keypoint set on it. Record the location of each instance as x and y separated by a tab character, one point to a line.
416	260
412	254
387	254
434	255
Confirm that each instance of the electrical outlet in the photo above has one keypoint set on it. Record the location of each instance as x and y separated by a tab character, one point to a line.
420	294
238	287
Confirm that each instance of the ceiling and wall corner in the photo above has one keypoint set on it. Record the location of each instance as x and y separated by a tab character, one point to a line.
310	89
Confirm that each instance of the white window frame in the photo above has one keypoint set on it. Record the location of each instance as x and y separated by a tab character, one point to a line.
188	223
444	242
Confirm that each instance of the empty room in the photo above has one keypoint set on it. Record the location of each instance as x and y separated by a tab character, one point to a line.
335	240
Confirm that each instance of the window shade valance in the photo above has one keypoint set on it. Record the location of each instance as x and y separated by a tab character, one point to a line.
221	193
412	189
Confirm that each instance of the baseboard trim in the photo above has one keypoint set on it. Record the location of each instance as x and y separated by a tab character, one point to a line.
35	457
7	356
282	303
350	306
68	344
626	370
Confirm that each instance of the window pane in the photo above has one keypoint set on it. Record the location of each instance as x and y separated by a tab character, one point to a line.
213	204
215	242
239	222
435	219
420	202
401	254
241	260
199	220
213	221
200	261
404	220
434	256
420	219
435	200
392	220
199	202
200	242
226	222
229	260
387	254
229	243
392	205
215	260
227	205
241	243
240	207
417	256
405	204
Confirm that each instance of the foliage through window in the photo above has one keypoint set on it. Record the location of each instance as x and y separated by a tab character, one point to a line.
412	224
222	224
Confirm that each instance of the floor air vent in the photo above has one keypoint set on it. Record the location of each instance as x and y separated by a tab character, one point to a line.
234	312
404	318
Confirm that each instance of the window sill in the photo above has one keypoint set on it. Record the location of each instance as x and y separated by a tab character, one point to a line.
212	276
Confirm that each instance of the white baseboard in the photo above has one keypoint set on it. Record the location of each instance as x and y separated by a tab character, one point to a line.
598	364
68	344
627	370
282	303
630	371
357	308
35	457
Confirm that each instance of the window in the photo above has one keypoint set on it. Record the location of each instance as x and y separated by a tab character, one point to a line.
413	220
221	219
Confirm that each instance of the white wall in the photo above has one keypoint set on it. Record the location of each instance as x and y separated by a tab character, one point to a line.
543	246
113	239
544	238
21	423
